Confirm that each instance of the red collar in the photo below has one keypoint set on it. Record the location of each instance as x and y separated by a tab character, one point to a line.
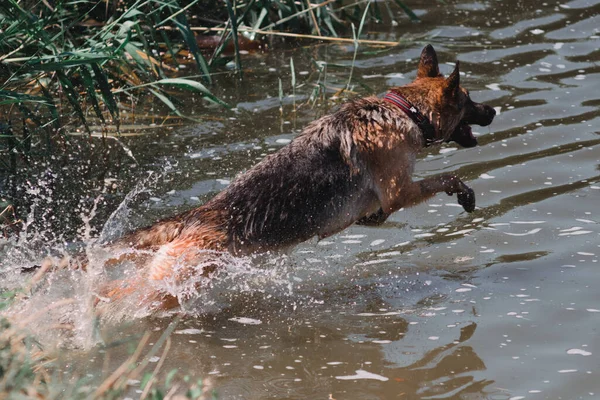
413	113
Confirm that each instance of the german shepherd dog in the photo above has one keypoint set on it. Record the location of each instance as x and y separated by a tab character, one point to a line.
352	166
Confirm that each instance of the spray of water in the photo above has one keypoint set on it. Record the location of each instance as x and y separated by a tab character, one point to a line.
62	301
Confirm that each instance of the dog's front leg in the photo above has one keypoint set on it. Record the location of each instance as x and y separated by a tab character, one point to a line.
419	191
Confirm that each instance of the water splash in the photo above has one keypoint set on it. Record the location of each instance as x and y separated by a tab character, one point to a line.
196	291
118	221
61	299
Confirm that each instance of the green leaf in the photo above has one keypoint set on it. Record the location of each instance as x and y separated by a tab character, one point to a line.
170	377
132	12
327	19
293	72
362	21
58	65
72	96
14	98
185	83
91	92
32	25
190	41
413	17
280	91
123	43
145	379
236	45
107	95
192	85
125	28
259	20
173	15
165	100
135	52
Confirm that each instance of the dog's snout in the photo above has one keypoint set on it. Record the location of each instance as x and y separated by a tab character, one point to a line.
487	116
491	113
479	114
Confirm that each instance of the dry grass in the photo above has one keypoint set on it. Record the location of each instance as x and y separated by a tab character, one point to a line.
304	36
28	371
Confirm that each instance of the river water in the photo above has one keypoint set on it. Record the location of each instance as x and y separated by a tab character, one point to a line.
502	303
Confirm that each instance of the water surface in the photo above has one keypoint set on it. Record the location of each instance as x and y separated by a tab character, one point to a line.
436	303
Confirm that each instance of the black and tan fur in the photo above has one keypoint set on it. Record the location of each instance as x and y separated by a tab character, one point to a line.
353	166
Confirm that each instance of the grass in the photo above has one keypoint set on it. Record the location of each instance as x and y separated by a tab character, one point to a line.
50	54
87	67
27	371
77	63
61	51
64	72
304	19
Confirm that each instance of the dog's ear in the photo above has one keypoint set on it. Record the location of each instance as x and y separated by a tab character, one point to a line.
453	82
428	65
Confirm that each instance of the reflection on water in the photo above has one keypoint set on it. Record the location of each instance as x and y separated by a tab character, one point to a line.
435	303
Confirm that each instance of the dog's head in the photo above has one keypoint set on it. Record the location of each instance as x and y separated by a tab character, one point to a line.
450	104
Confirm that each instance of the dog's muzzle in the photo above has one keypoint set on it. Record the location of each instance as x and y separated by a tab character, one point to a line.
479	114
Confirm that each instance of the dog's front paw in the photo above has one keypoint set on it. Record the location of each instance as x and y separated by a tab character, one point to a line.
466	199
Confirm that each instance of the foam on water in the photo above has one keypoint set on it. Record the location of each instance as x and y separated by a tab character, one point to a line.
362	374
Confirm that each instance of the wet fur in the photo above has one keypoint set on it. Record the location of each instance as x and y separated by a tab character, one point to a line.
353	166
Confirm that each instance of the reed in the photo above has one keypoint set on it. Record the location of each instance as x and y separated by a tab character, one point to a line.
62	65
27	370
78	63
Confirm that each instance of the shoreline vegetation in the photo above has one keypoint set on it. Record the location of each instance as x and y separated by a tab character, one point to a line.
86	64
27	370
75	70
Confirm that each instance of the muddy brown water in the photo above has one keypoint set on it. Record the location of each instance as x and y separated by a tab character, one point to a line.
502	303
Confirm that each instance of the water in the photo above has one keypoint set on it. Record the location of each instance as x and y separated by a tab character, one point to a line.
436	303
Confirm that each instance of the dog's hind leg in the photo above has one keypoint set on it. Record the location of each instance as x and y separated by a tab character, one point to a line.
156	283
374	219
